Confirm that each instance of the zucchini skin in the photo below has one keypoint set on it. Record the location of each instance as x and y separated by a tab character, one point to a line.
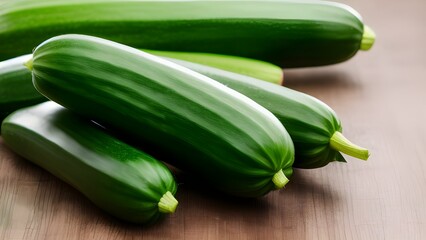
120	179
284	32
310	122
204	126
16	88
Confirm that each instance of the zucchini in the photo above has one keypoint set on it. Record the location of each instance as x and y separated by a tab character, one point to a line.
120	179
250	67
288	33
16	88
313	126
211	131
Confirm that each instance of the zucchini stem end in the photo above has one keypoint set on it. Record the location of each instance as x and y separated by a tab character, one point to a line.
168	203
368	38
279	179
342	144
29	64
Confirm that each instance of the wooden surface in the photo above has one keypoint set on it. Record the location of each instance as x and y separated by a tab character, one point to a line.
380	97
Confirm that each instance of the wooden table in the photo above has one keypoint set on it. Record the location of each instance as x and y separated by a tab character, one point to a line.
380	97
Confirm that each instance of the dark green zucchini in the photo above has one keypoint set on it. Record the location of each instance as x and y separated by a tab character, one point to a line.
211	131
120	179
16	88
313	126
288	33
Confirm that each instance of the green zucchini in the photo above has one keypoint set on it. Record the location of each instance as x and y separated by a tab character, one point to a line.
211	131
288	33
16	88
120	179
313	126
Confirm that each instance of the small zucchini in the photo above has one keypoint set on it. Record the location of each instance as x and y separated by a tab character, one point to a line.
211	131
120	179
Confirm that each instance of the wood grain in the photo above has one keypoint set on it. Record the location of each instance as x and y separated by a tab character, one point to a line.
380	97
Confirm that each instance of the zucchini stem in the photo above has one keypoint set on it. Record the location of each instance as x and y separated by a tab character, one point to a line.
368	38
342	144
29	64
167	203
279	179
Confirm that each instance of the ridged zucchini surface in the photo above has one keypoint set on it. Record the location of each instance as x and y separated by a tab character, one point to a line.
288	33
210	130
120	179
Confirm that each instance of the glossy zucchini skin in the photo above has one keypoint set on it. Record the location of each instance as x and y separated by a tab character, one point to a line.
284	32
120	179
311	123
210	131
16	88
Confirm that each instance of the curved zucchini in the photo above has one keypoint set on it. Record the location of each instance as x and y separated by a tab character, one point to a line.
284	32
313	126
16	88
121	180
211	131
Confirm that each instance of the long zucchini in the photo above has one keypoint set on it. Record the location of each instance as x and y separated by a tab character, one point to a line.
16	88
313	126
288	33
211	131
120	179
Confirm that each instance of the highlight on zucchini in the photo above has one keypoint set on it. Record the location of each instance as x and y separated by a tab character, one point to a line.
123	181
